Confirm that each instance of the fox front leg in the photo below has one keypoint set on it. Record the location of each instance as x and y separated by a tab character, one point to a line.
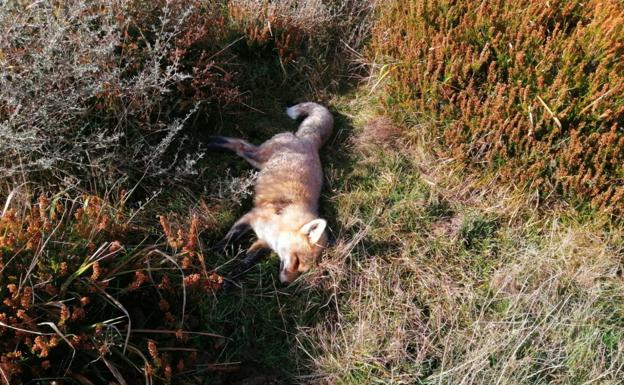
254	254
258	250
238	229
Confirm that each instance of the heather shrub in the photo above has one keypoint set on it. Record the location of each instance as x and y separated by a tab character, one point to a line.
83	299
93	88
531	90
125	88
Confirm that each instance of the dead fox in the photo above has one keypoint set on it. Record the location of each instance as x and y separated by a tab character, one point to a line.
285	213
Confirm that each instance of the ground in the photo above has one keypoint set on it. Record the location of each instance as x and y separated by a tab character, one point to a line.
435	275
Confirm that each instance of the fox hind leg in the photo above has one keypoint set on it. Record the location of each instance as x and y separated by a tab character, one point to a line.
241	147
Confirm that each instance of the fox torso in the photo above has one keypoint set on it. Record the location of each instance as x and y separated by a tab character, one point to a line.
291	174
285	214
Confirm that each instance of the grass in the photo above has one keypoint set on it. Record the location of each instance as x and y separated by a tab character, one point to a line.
438	274
485	290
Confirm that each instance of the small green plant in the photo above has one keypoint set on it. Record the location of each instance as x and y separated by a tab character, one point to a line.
476	229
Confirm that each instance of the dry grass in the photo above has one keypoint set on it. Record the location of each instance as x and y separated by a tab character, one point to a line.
443	278
378	132
318	43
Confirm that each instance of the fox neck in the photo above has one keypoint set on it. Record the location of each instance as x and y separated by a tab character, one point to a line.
293	217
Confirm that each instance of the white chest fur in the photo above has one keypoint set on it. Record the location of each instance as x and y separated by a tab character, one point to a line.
268	231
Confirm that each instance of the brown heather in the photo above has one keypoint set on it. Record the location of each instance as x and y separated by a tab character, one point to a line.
530	89
71	280
263	24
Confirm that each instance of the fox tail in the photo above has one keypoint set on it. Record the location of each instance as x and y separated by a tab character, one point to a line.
317	124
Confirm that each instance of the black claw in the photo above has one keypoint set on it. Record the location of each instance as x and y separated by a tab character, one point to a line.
217	143
220	246
230	285
244	266
218	140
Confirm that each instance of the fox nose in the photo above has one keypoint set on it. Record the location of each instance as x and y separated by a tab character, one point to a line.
286	276
283	277
282	273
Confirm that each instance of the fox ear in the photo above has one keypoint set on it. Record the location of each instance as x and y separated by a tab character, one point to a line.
314	229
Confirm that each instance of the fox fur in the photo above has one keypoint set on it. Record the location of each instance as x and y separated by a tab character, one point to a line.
285	215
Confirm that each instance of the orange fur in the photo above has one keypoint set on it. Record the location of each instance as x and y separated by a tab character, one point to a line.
285	214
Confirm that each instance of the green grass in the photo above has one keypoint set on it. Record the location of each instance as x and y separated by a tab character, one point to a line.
417	282
436	276
433	279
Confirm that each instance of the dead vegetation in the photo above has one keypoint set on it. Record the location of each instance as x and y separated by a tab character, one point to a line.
83	298
465	286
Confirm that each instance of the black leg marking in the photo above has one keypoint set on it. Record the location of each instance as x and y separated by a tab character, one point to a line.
217	143
251	155
237	231
251	259
253	256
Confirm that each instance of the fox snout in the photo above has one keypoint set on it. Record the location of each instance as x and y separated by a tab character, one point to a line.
286	275
291	272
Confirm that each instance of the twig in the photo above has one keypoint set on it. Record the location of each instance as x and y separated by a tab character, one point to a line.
552	114
5	379
8	200
56	329
592	104
115	372
159	331
226	48
25	330
123	309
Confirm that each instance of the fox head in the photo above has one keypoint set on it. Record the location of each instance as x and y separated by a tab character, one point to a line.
299	250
